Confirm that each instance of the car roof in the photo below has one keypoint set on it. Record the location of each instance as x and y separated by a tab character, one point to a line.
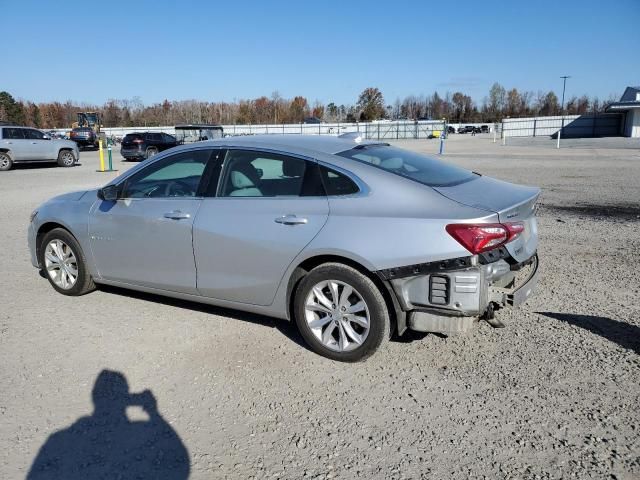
302	144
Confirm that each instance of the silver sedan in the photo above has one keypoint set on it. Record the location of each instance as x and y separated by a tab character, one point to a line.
353	240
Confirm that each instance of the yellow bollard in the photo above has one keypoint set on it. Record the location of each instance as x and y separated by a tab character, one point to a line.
101	155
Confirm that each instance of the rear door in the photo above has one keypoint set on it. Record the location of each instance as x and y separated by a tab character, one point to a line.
267	209
14	139
41	147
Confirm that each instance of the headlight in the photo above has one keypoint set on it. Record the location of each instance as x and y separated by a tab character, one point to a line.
33	216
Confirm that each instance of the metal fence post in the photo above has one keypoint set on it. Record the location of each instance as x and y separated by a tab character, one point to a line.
378	131
535	120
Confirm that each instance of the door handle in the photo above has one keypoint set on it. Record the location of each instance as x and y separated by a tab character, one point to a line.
177	215
291	220
34	143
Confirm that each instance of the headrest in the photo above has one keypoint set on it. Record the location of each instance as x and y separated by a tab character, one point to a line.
240	180
244	175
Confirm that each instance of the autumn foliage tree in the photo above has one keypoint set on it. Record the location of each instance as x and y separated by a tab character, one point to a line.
370	105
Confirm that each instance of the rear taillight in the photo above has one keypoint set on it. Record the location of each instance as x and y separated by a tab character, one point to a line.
478	238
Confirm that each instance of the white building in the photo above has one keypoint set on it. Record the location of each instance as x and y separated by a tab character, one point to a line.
629	105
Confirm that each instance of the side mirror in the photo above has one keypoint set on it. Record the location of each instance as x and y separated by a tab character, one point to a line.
108	193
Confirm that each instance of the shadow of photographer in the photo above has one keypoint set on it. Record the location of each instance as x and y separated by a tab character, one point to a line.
107	444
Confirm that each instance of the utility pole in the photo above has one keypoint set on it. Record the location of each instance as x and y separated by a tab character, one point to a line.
564	86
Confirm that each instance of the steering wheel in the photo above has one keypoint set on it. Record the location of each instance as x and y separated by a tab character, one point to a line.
178	188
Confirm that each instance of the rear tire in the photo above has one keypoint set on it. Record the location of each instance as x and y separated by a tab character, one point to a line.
341	313
66	158
151	151
64	264
5	162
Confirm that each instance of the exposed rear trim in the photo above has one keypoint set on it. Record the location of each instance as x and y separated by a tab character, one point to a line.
424	268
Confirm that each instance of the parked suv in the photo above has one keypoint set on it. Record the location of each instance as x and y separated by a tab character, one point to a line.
139	146
84	137
22	144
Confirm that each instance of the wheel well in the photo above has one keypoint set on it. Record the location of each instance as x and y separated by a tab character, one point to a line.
4	150
310	263
43	230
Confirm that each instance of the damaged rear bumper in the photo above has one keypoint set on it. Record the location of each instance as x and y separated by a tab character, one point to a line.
450	296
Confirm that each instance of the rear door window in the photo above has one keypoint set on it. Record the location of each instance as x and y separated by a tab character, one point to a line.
14	133
265	174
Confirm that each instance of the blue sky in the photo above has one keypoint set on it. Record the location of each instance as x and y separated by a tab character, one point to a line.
321	49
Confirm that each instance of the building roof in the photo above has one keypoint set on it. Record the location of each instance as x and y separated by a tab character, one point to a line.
629	100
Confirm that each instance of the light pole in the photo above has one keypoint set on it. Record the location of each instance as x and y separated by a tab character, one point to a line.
564	86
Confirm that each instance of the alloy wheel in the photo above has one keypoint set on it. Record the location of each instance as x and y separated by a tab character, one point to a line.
67	158
337	315
61	264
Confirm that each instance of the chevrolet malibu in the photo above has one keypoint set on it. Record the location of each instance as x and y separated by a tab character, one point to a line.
354	240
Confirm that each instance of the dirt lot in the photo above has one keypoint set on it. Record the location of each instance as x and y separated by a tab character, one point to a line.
553	395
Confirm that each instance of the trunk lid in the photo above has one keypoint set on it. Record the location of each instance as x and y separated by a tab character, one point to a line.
512	203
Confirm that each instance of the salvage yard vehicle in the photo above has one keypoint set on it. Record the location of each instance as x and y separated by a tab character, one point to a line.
354	240
28	145
84	137
140	146
197	133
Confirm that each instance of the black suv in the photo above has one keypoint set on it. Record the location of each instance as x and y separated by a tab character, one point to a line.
139	146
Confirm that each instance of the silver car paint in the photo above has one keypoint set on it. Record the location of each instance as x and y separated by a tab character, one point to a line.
32	150
392	222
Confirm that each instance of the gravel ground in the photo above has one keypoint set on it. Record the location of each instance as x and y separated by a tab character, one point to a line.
553	395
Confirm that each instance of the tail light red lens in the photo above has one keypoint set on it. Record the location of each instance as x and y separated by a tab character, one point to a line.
481	237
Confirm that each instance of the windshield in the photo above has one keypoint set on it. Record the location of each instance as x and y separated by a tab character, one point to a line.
415	166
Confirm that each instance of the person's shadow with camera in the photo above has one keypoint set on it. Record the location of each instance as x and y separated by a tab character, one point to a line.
108	445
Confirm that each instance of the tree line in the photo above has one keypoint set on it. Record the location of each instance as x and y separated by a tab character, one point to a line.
456	107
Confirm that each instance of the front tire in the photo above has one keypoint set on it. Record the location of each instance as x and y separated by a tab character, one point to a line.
66	158
64	263
5	162
341	313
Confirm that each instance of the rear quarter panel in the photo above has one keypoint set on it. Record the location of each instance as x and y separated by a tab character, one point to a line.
393	222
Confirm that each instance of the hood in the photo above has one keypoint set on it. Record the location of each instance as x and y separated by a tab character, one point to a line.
65	143
69	197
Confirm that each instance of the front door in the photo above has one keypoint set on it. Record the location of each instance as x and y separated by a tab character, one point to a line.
145	237
267	209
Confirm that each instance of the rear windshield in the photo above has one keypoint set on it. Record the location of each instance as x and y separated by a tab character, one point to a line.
131	136
415	166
